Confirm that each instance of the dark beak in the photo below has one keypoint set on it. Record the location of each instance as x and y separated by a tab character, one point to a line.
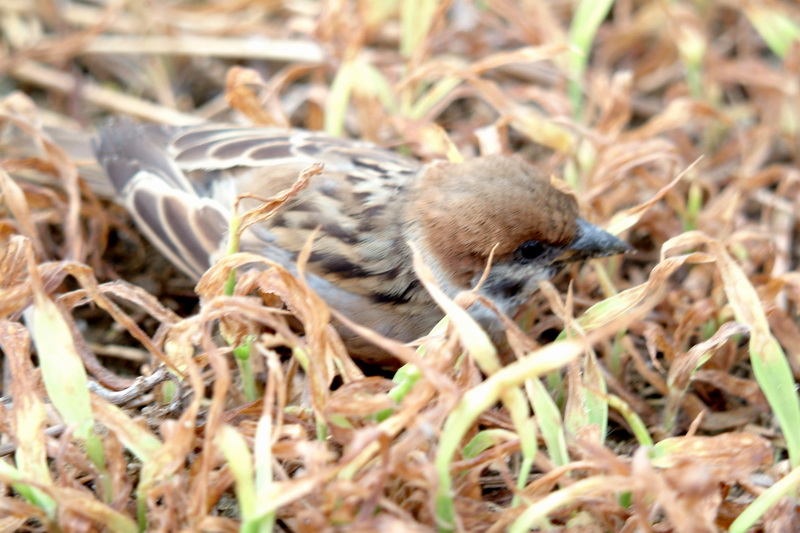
592	241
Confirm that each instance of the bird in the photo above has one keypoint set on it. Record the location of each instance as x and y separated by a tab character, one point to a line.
368	207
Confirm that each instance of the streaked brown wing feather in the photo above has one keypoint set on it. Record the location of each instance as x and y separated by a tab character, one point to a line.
186	229
360	235
181	183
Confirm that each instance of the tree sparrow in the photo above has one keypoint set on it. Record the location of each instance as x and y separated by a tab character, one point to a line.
180	184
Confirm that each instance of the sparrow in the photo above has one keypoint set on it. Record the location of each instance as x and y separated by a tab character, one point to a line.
369	203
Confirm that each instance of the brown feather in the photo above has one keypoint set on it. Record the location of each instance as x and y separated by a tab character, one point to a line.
467	208
181	184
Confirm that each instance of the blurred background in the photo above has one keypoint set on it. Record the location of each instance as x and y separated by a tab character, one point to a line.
675	123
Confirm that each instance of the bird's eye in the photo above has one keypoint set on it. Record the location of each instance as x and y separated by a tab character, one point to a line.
530	250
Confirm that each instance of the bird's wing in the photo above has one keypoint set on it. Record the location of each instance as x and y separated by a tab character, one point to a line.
180	184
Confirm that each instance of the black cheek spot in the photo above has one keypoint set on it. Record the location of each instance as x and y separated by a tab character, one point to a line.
505	288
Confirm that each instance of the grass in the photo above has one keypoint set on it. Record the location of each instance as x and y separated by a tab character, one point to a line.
653	391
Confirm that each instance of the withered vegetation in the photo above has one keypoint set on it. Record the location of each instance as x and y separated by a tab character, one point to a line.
651	392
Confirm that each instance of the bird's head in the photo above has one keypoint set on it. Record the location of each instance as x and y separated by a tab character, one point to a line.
461	211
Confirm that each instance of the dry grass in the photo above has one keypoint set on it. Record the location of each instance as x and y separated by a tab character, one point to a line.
654	392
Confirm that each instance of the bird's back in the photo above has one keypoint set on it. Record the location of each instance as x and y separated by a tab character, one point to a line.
180	184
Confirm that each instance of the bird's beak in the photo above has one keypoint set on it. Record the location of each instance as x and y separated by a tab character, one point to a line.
591	241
